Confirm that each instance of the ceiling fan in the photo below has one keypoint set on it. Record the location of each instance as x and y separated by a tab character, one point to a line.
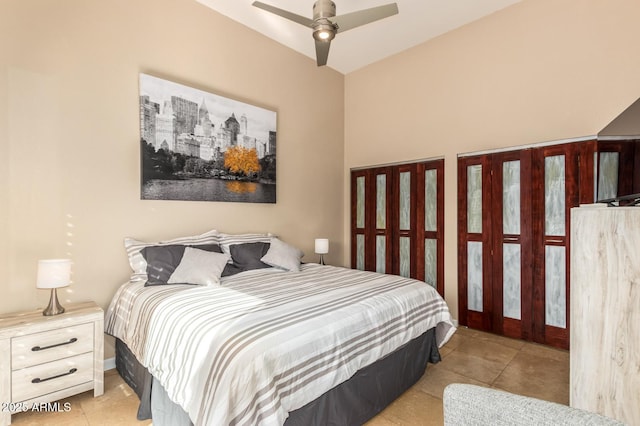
326	24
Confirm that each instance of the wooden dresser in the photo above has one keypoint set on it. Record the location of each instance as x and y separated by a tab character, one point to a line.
605	311
47	358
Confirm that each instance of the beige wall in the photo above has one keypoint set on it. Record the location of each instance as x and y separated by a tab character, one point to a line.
69	136
540	70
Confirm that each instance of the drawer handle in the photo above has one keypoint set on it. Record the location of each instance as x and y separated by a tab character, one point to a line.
39	380
41	348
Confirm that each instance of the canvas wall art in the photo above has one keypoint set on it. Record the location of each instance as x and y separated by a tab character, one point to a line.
199	146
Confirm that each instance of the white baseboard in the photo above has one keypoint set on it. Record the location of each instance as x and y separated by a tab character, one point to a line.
109	364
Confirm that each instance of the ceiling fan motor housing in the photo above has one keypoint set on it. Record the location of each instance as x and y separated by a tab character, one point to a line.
324	9
323	28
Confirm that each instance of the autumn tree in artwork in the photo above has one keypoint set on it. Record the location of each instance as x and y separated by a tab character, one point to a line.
240	160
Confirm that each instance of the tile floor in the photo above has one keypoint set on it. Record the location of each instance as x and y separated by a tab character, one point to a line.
469	357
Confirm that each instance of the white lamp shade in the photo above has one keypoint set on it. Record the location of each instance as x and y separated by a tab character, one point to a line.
322	246
54	273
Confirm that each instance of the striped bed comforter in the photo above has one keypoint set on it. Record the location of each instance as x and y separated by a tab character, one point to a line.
267	342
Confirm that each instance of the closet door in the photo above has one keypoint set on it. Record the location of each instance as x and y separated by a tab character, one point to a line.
405	198
397	220
618	164
475	284
372	219
511	218
513	268
360	219
382	229
557	189
430	224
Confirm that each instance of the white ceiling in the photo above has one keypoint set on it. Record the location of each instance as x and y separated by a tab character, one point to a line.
416	22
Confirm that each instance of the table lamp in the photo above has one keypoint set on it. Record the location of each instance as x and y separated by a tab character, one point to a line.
322	248
53	273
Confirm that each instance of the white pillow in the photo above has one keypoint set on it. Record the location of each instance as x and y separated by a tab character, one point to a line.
138	263
282	255
199	267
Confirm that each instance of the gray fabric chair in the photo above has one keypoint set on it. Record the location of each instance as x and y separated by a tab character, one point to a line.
475	405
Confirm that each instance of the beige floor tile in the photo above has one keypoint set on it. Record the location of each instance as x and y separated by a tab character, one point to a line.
437	378
490	337
415	408
546	352
381	420
473	367
488	350
455	340
536	376
444	351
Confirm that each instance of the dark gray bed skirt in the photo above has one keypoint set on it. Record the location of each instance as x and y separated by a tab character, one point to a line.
352	402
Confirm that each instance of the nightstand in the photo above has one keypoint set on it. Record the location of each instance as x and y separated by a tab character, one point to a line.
47	358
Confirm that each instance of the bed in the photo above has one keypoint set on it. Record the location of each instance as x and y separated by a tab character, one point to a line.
312	344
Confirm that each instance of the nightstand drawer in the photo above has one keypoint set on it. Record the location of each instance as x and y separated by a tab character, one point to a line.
38	348
42	379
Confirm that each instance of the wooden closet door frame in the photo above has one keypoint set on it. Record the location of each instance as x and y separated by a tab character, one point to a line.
404	233
355	231
510	327
576	159
629	155
422	233
478	320
370	230
387	232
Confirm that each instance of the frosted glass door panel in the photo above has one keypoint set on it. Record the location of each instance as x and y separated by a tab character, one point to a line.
405	201
360	202
431	262
360	252
511	277
381	201
554	195
511	197
608	175
474	276
555	286
474	198
430	200
381	250
405	256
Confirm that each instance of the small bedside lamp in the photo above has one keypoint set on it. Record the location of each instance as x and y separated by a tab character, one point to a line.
53	273
322	248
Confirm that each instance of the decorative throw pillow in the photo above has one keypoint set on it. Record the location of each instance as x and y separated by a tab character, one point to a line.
163	260
247	256
228	240
199	267
282	255
138	263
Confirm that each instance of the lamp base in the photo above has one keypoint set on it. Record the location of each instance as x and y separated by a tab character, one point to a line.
54	307
321	259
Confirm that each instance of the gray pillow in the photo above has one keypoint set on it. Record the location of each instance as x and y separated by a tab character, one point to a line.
283	256
163	260
199	267
247	256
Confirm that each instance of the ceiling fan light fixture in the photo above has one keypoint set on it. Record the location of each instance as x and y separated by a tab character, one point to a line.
324	32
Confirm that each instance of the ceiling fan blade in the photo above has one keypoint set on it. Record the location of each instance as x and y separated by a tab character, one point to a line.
322	52
362	17
285	14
